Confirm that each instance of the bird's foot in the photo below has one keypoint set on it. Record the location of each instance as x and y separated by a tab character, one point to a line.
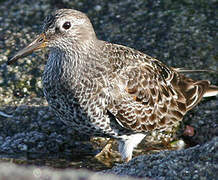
108	156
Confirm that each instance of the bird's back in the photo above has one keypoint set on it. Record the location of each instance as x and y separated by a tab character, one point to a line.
146	94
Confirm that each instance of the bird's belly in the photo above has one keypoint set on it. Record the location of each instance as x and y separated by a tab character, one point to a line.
78	113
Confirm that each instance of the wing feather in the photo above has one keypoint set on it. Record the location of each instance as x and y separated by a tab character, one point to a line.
148	95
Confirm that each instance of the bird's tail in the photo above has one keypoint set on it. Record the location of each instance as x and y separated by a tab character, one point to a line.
211	91
182	70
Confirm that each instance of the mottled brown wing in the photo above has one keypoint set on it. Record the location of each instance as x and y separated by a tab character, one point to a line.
147	95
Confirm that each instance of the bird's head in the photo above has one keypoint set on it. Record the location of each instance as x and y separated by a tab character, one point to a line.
61	29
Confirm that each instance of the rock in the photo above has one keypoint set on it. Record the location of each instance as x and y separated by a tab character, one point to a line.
9	171
199	162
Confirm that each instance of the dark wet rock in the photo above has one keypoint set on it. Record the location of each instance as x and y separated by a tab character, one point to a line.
32	129
199	162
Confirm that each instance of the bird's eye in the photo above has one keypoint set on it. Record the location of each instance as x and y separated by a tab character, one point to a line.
66	25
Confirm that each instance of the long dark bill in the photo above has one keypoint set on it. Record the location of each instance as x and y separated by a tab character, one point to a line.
38	43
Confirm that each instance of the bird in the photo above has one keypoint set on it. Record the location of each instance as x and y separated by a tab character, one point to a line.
110	90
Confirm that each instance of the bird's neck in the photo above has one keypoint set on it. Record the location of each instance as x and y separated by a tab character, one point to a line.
72	64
